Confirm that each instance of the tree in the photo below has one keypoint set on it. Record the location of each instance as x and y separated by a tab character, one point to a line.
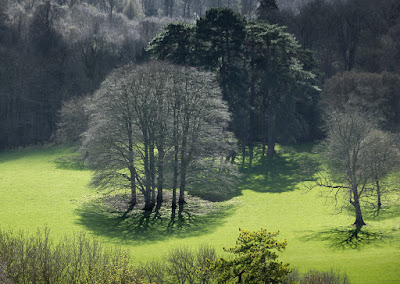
268	11
255	259
381	158
161	117
256	64
345	145
73	121
276	74
374	93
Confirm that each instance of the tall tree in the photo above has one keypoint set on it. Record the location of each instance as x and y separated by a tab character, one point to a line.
347	132
275	74
268	11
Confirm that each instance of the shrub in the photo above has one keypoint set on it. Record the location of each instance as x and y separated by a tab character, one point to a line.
318	277
80	259
181	265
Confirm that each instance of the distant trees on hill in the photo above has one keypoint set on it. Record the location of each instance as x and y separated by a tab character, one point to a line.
54	50
51	53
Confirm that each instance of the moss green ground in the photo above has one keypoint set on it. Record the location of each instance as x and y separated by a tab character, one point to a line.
36	191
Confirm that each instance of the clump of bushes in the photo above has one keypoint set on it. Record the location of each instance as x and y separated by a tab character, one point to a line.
317	277
77	259
181	265
82	259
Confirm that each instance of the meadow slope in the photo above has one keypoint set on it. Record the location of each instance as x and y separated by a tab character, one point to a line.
38	191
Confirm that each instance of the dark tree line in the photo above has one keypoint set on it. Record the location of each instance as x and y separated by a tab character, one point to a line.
51	53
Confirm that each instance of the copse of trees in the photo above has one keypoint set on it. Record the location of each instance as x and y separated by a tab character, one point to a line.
155	125
259	70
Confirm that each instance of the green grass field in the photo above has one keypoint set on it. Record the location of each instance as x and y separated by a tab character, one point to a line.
38	191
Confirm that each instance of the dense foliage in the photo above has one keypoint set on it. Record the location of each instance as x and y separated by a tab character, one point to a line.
261	71
255	260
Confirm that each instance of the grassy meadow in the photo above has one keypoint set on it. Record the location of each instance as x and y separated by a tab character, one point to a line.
38	190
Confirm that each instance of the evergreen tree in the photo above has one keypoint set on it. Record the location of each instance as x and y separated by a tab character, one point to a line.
268	11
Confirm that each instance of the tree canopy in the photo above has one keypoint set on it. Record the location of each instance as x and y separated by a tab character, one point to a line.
156	124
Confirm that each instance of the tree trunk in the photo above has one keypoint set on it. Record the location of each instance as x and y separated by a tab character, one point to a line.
176	160
152	174
182	185
132	203
251	154
160	178
243	154
378	192
147	195
271	131
132	169
357	209
183	168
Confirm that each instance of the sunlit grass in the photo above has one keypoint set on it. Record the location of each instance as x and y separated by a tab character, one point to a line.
37	191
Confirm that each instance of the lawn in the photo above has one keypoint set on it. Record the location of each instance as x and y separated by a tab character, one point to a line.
37	190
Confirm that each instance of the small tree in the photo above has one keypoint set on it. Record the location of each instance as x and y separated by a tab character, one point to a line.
255	259
381	158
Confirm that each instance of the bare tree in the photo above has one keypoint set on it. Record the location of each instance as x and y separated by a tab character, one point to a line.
347	132
144	118
381	158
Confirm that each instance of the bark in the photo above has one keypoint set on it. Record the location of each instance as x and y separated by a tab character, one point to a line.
378	191
160	178
182	185
243	154
251	155
271	131
176	159
357	208
147	195
152	172
132	169
183	166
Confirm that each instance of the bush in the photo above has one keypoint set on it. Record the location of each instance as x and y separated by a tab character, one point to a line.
80	259
318	277
181	265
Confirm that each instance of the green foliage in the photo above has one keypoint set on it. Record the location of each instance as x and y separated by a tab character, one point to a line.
175	43
255	259
268	11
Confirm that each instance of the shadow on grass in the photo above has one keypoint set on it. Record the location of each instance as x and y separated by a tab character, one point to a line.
350	237
73	161
140	227
280	173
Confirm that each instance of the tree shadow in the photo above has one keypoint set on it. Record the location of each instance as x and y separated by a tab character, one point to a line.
138	226
279	173
350	237
72	161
